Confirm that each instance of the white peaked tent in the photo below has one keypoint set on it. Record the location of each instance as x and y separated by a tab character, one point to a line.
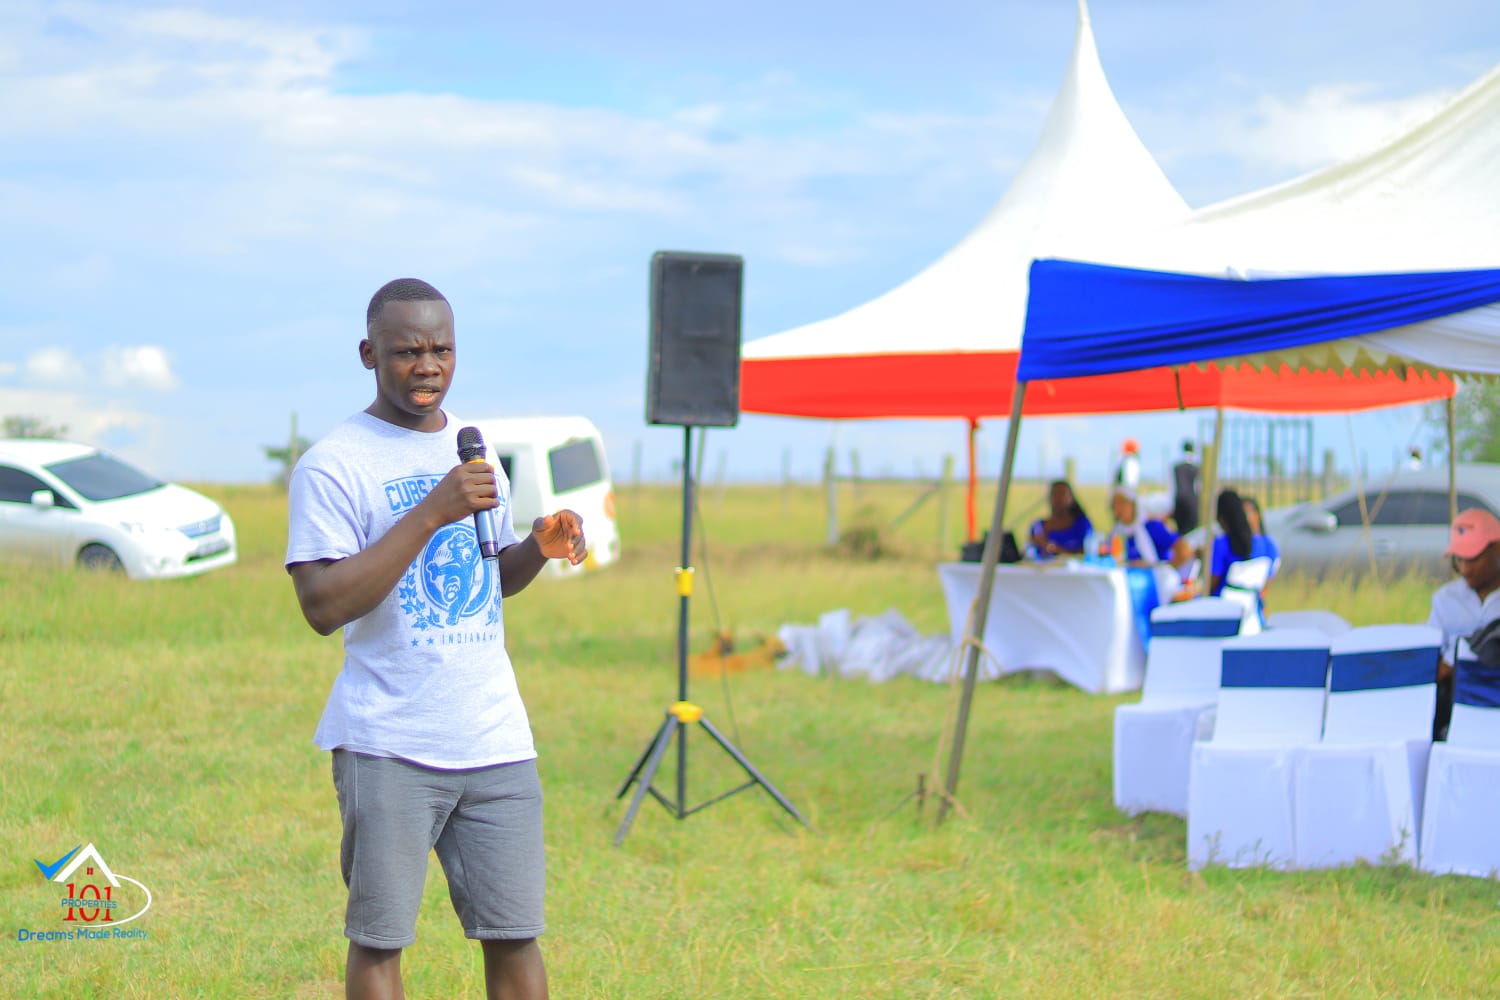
945	343
1427	200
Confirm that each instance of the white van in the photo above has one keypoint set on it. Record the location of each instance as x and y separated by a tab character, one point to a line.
552	463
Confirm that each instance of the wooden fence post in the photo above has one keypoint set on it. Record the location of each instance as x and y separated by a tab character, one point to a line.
831	493
942	519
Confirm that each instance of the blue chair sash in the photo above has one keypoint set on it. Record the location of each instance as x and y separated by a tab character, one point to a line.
1274	668
1384	668
1196	628
1476	685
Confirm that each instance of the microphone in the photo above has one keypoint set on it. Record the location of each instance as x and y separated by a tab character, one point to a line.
471	449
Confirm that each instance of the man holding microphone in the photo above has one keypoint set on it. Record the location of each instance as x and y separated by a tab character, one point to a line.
430	740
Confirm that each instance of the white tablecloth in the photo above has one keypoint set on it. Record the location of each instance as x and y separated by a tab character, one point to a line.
1071	619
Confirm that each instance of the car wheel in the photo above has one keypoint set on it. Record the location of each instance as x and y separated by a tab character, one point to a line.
100	558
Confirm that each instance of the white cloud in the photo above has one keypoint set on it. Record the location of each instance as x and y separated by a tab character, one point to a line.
1324	125
85	417
55	365
8	368
826	254
142	367
227	133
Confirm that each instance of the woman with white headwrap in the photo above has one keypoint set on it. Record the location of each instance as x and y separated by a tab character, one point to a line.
1149	543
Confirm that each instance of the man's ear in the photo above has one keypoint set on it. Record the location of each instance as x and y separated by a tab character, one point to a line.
367	354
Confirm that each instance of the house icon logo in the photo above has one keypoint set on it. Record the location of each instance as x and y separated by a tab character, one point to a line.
95	903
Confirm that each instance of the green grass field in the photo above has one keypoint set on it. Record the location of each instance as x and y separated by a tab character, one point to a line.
170	724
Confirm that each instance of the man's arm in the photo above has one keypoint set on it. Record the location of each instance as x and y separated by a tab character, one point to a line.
334	592
556	536
1435	620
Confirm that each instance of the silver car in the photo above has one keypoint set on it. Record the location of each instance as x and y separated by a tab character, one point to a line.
1408	513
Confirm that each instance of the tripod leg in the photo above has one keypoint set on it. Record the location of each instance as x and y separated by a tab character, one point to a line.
648	774
646	753
740	758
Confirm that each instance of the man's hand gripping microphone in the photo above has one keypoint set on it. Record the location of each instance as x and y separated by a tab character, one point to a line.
471	449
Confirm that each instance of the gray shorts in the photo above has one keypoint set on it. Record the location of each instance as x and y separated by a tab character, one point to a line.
486	824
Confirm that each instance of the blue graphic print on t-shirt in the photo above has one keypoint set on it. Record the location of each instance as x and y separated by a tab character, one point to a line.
449	582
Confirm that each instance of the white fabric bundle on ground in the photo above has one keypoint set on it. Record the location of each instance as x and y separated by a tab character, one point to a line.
877	648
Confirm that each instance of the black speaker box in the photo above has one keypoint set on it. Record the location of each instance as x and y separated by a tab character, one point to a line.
693	379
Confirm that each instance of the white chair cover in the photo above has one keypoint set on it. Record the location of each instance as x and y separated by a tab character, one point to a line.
1324	621
1249	574
1461	817
1272	687
1358	793
1153	738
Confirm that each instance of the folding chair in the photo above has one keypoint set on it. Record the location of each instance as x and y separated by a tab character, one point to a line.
1461	817
1358	792
1154	737
1240	803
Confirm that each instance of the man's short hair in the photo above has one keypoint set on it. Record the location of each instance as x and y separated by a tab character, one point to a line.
400	290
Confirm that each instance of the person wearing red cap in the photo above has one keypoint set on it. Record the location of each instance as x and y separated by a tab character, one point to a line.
1461	606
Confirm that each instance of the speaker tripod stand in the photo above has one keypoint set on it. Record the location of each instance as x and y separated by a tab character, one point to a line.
683	713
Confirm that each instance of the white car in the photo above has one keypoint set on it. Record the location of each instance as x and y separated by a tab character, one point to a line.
1408	514
553	463
69	504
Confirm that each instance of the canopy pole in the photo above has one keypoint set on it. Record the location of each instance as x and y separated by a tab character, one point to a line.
1359	491
981	609
969	504
1210	506
1452	462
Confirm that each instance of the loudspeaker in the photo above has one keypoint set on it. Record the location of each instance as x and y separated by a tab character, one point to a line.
693	378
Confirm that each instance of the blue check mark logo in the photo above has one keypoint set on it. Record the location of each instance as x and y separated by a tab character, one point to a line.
49	870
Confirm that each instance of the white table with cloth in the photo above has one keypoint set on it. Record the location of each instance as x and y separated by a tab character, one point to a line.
1072	618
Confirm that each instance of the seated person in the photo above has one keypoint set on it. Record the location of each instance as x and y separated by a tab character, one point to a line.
1461	606
1239	543
1252	514
1154	556
1157	507
1063	530
1149	542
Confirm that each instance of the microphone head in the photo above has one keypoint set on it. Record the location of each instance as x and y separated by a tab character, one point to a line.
470	445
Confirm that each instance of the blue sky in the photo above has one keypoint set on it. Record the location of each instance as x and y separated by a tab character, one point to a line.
198	200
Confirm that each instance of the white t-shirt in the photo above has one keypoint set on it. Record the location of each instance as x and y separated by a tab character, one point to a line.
426	676
1458	613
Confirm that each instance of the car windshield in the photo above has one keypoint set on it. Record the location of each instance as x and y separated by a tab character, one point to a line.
99	477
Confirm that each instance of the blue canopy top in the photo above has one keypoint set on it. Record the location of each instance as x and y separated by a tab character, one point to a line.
1093	319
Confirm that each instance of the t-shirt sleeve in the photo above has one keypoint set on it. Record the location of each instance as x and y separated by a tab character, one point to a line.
1435	619
1272	551
323	522
1218	564
507	523
1163	538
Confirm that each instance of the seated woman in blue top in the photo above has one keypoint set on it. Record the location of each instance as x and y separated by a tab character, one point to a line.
1252	514
1239	544
1065	527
